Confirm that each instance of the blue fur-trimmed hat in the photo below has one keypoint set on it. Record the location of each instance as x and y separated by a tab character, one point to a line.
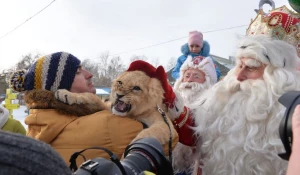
50	72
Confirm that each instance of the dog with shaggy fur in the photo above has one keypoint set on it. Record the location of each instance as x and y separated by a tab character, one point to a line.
137	95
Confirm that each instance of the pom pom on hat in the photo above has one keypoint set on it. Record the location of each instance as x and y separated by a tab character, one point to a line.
196	37
17	80
51	72
160	74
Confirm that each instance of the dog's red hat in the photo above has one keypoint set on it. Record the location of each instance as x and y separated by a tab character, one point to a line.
160	74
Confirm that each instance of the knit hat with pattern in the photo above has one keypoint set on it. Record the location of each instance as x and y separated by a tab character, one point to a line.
51	72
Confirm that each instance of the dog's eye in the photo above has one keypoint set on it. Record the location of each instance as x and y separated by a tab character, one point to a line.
119	83
136	88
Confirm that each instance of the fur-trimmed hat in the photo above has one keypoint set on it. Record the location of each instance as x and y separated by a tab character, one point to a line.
23	155
269	51
51	72
196	37
205	64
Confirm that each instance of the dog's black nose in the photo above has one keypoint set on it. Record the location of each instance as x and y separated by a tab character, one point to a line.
119	96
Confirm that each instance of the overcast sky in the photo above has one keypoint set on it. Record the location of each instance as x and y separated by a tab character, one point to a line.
87	28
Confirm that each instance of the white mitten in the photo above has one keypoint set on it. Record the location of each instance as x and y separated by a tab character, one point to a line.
177	108
3	116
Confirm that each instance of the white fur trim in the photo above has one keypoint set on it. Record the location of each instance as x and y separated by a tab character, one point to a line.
206	65
244	123
3	116
178	108
269	51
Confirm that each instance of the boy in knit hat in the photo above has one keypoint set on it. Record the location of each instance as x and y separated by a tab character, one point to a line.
10	124
26	156
196	47
70	128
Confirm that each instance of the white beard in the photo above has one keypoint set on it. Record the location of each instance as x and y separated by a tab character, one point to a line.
238	128
185	159
190	95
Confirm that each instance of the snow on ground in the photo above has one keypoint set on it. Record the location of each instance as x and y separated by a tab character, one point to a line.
20	114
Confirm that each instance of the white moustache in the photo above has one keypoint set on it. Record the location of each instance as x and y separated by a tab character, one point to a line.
194	86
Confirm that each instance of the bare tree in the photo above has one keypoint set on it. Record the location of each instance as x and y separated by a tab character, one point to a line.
27	60
103	63
105	70
92	67
138	57
155	62
3	82
171	63
115	68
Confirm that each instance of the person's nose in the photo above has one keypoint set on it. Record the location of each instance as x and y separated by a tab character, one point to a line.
88	74
190	79
241	75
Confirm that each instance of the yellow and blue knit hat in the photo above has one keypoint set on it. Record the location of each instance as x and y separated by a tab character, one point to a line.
51	72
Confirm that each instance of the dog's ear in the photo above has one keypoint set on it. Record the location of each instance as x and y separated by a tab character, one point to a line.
169	95
156	92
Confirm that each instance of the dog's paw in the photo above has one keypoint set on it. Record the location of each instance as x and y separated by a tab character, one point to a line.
67	97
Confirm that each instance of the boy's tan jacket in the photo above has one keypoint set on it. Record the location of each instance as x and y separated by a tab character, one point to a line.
71	128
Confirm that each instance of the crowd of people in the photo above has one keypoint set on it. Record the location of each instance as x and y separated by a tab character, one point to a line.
225	126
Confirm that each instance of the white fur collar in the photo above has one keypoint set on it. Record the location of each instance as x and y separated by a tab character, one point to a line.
3	116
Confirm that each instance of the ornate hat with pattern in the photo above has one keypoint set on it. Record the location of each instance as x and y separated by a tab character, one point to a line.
280	23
